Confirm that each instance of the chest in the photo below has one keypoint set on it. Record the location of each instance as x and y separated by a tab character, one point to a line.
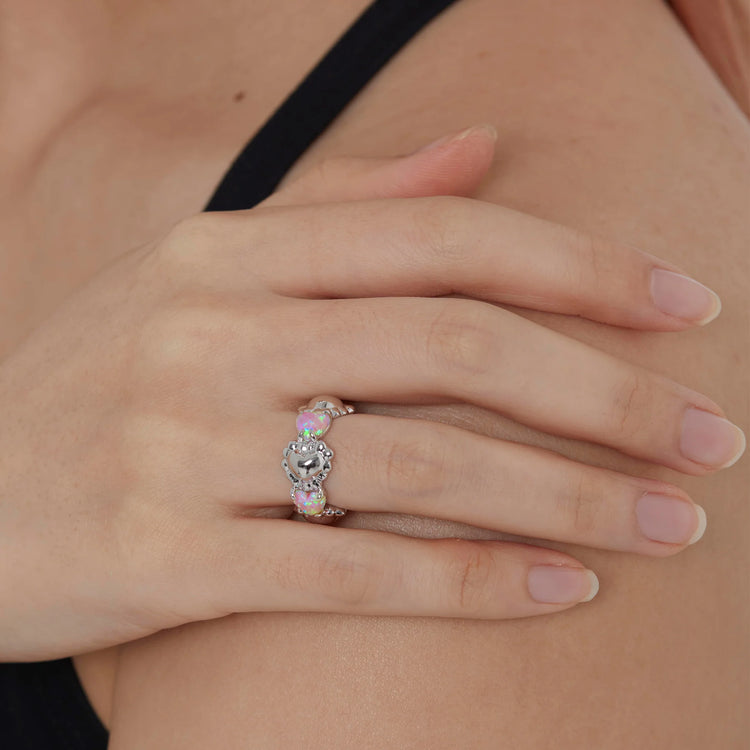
119	120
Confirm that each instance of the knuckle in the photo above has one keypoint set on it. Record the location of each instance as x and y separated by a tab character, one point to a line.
459	340
189	251
581	505
334	165
439	225
348	574
178	346
413	468
189	239
470	577
205	229
631	405
584	265
328	171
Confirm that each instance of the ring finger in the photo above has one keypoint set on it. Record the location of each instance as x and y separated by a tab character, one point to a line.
386	464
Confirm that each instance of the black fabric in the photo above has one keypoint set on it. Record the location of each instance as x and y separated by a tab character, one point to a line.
358	55
42	705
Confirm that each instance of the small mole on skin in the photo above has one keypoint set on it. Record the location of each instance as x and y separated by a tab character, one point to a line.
239	96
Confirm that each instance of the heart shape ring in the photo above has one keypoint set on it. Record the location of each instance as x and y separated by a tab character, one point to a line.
307	460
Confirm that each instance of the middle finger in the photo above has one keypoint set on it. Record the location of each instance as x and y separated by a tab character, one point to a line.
430	350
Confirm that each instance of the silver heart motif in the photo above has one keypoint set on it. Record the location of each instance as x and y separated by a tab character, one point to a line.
305	465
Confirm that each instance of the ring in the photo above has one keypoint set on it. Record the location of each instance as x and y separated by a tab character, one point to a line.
307	460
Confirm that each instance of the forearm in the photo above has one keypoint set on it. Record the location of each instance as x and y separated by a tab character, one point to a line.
624	133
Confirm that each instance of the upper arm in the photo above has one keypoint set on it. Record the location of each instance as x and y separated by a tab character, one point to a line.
721	30
609	121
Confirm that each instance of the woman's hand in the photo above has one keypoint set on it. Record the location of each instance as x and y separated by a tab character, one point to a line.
140	485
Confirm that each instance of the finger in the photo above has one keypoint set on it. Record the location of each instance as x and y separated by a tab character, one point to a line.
453	166
429	350
447	245
250	565
412	466
384	464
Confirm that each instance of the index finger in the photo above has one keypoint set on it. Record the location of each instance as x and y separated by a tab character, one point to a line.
449	245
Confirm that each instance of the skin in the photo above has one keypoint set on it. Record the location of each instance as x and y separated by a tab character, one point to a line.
649	662
721	30
193	346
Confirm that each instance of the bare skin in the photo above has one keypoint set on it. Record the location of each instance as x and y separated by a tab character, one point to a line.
658	158
721	30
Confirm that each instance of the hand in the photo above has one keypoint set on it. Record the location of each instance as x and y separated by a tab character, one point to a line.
143	425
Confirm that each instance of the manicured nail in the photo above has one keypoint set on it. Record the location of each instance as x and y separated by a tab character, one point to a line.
560	584
668	519
485	127
683	297
710	440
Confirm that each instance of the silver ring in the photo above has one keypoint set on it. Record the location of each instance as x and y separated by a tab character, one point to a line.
307	460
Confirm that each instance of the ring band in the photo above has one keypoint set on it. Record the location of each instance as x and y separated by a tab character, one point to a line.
307	460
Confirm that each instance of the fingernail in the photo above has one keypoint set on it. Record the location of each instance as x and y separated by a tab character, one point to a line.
700	529
485	127
559	584
683	297
668	519
710	440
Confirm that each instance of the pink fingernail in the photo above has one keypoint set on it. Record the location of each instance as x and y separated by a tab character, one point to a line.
560	584
485	127
669	519
710	440
683	297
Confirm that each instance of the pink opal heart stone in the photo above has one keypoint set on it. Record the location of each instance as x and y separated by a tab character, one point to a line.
313	424
309	503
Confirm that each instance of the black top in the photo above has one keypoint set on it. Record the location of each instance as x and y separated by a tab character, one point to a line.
42	705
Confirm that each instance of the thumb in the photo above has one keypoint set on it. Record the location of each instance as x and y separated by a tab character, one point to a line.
452	165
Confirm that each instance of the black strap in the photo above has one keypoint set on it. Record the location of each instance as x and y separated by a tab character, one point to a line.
45	708
374	38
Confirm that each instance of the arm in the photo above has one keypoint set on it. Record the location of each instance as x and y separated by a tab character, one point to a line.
721	30
658	659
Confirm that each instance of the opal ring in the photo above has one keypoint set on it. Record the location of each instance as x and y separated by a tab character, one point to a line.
307	460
